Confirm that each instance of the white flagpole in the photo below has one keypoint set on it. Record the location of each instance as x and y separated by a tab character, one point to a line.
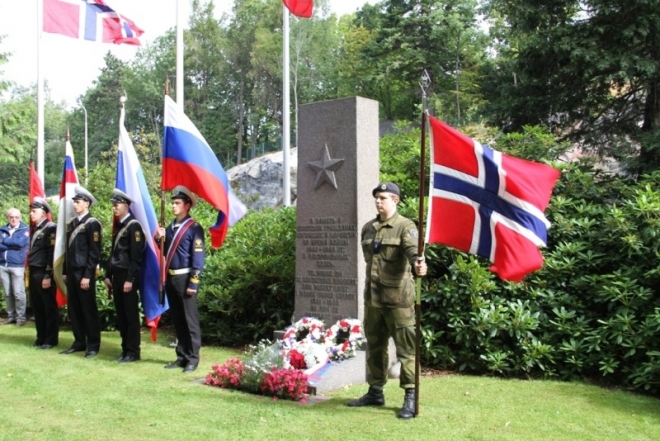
40	98
179	54
286	124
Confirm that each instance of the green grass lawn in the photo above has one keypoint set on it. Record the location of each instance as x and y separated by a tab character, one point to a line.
47	396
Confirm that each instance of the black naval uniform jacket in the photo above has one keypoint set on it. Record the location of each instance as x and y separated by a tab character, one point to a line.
128	244
42	245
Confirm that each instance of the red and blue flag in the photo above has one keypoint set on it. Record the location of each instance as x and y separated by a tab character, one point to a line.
189	161
130	179
91	20
488	203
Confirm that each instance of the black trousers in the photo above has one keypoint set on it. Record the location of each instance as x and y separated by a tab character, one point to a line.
44	306
83	312
127	305
186	319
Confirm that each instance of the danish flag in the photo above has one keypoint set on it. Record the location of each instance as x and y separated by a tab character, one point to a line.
91	20
488	203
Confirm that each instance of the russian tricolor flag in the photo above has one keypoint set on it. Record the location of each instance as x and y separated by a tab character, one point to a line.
189	161
64	214
131	181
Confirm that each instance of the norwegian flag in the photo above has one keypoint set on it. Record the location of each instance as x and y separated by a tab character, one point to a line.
91	20
488	203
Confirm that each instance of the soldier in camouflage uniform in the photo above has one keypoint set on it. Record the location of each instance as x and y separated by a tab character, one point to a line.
390	250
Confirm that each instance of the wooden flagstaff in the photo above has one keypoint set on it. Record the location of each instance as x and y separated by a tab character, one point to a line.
161	290
424	84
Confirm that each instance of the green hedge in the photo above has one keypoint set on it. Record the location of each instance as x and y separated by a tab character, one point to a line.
248	284
593	311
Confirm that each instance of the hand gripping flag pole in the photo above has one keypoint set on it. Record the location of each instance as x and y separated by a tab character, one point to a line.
425	84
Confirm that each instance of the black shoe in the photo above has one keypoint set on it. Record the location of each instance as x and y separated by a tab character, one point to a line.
46	346
189	368
90	354
408	409
71	351
175	364
129	359
374	397
37	344
121	357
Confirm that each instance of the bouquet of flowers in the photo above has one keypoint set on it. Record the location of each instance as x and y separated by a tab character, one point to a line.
261	371
282	369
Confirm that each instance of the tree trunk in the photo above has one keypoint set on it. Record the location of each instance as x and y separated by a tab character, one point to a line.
649	155
241	119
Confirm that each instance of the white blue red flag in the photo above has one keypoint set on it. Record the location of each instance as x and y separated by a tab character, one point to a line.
131	181
91	20
64	214
189	161
488	203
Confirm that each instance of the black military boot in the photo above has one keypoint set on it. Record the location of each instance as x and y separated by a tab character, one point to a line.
408	409
374	397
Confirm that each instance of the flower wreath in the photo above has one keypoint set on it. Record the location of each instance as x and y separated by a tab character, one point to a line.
343	339
306	343
307	329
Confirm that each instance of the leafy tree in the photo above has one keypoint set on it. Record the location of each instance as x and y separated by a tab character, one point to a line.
410	37
103	105
590	70
4	57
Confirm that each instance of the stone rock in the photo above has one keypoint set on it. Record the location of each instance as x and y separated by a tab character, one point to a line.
258	183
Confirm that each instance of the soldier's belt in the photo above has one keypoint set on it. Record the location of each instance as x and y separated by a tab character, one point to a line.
177	272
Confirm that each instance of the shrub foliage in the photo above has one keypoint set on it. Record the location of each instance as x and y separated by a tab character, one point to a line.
248	284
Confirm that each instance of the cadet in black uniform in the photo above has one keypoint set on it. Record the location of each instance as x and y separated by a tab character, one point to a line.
184	260
42	286
81	259
123	272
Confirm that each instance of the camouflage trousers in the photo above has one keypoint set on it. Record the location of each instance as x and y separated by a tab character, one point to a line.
379	325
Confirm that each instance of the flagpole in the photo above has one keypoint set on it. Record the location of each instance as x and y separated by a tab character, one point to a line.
425	83
285	110
161	290
40	98
179	54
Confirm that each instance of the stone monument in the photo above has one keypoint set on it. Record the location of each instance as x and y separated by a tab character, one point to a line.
338	167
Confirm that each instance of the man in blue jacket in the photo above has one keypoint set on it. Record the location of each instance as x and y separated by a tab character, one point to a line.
14	240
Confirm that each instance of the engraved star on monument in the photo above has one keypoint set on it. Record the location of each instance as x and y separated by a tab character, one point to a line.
325	169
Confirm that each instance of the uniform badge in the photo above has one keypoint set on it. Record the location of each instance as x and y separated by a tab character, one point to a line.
96	236
194	277
138	236
198	245
52	238
413	234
